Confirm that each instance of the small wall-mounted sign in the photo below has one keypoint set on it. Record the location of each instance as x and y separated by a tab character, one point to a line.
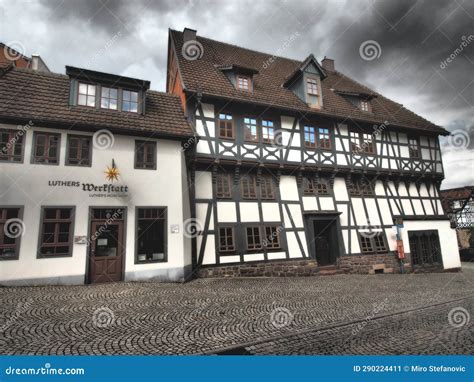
174	228
80	239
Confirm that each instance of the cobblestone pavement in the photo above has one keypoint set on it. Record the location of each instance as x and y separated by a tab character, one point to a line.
209	315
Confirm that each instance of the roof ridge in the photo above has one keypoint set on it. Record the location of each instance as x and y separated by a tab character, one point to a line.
38	72
241	47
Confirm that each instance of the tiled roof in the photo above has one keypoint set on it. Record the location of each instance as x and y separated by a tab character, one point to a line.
204	75
450	195
44	98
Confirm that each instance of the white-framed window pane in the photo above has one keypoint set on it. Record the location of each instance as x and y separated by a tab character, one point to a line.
82	89
104	103
134	107
91	90
134	97
105	92
90	100
113	104
82	100
126	95
113	93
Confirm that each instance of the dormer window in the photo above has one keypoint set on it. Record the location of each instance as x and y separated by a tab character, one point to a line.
364	105
312	86
244	83
86	95
109	98
130	101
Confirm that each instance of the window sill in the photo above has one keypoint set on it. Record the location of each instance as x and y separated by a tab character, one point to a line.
150	261
53	256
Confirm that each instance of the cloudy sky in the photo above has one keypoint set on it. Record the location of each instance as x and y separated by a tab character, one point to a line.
416	39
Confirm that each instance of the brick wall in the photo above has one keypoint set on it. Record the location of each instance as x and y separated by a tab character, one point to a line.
365	264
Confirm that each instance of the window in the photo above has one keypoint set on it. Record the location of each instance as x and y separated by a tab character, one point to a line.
86	95
79	150
151	235
249	186
224	186
424	248
272	237
226	239
373	242
315	187
45	148
268	131
244	83
364	106
145	155
10	233
253	238
11	145
368	143
355	142
309	136
360	188
226	127
324	140
413	147
312	86
130	101
108	99
56	232
250	129
267	188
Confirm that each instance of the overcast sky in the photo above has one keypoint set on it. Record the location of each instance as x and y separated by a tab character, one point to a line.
415	38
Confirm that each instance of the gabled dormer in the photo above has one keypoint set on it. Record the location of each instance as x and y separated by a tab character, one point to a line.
240	76
305	82
106	91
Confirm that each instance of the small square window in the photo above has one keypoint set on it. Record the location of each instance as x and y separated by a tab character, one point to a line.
244	83
79	150
130	101
45	148
11	145
86	95
364	106
145	155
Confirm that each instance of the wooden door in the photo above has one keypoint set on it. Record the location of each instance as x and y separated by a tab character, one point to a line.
106	252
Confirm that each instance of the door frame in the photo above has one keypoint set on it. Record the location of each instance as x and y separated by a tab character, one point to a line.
89	227
310	218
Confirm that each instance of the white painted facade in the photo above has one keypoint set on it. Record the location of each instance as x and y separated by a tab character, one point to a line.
27	185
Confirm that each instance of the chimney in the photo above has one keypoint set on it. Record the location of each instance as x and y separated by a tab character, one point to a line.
328	64
189	34
35	61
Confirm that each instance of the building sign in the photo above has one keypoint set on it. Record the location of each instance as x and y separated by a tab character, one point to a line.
106	190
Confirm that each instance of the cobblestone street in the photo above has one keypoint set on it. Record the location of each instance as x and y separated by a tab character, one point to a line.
344	314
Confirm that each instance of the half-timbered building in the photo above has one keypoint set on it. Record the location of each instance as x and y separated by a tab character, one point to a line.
300	169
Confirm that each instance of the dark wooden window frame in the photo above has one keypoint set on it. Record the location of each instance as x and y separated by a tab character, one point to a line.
221	178
358	188
364	109
3	220
311	132
80	137
364	146
325	132
416	250
228	248
226	122
312	86
108	98
162	215
369	244
12	137
256	237
245	124
267	188
311	187
272	244
140	164
414	151
56	221
252	187
130	102
35	141
267	127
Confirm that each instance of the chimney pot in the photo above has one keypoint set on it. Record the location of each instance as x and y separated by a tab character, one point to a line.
34	61
328	64
189	34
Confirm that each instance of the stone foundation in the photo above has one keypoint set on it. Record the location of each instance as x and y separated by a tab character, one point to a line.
287	268
373	264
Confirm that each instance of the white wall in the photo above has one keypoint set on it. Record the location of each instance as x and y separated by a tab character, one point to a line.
26	184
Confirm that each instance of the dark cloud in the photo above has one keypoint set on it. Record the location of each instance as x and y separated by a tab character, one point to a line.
416	39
